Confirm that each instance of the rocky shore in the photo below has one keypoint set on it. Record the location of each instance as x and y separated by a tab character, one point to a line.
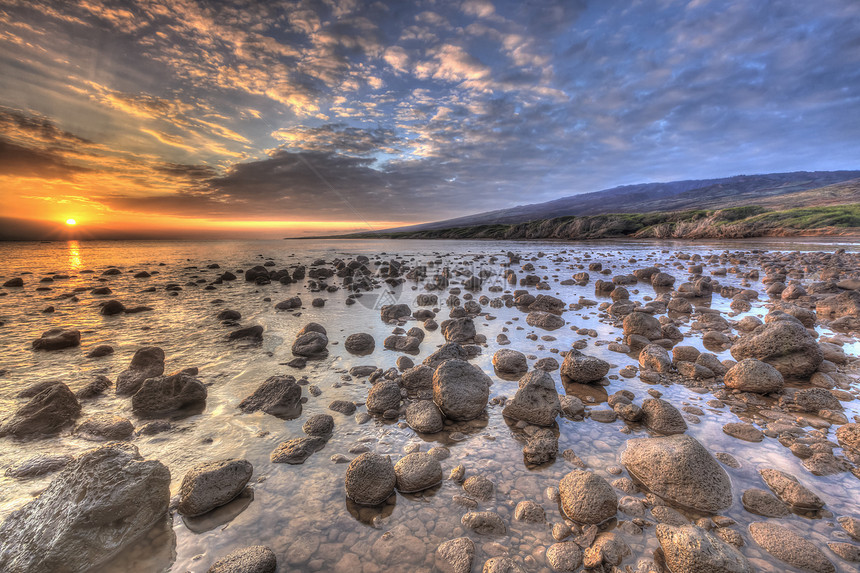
577	410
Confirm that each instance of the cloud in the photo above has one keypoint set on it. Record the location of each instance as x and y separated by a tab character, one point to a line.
21	161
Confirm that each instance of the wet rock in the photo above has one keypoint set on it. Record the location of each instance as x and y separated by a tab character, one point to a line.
508	361
169	394
254	559
642	324
460	389
394	312
278	396
228	314
342	407
848	436
564	556
417	379
479	487
502	565
147	362
788	489
458	329
571	406
544	320
851	525
815	399
14	282
105	427
46	413
289	304
360	343
846	551
661	416
536	400
665	514
455	556
417	471
383	396
689	548
57	339
541	448
319	425
583	369
655	358
786	545
743	431
529	512
112	307
784	344
100	350
370	479
38	466
587	498
310	344
296	450
484	523
678	468
212	484
249	332
424	416
762	503
751	375
98	505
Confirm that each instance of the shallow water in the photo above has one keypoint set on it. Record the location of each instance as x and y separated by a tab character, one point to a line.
301	512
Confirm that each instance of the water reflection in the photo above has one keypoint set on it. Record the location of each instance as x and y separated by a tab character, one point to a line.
75	261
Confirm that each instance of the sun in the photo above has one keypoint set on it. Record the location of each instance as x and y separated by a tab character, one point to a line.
71	222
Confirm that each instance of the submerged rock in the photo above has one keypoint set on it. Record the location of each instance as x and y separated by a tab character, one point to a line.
38	466
147	362
416	472
587	497
95	507
255	559
296	450
278	396
57	339
46	413
689	548
788	546
212	484
169	394
370	479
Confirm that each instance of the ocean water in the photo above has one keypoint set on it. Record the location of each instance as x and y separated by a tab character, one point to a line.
301	511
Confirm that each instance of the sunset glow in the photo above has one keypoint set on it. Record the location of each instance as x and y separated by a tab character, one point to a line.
71	222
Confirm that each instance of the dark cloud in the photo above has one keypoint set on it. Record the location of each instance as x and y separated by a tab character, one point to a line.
20	161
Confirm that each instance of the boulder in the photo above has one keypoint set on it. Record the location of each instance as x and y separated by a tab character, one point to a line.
254	559
370	479
502	565
169	394
643	324
655	358
679	469
751	375
424	416
455	556
417	471
249	332
536	401
296	450
815	399
360	343
484	523
57	339
394	312
319	425
661	416
105	427
212	484
147	362
587	497
848	436
583	369
788	489
98	505
458	329
310	344
418	378
760	502
507	361
278	396
544	320
460	389
690	548
789	547
564	556
383	396
46	413
784	344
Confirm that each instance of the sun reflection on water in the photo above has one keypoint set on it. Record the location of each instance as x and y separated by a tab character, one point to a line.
74	255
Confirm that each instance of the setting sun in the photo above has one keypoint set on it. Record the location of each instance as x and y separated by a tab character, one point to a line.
71	222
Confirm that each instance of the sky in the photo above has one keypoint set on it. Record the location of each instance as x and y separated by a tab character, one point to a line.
270	119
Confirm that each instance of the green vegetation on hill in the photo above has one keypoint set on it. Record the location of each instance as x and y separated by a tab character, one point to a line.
732	223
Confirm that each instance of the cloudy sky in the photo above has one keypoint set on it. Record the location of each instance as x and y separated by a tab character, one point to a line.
308	116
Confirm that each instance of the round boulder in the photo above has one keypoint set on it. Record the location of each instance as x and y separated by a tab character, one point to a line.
417	472
587	497
460	389
583	369
370	479
751	375
212	484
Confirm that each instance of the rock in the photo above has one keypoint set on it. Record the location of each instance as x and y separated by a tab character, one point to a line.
743	431
424	416
661	416
458	329
409	344
38	466
310	344
249	332
815	399
455	556
643	324
289	304
296	450
848	436
460	389
360	344
370	478
254	559
394	312
14	282
536	400
320	425
98	505
544	320
788	546
572	407
846	551
57	339
608	549
342	407
479	487
529	512
484	523
417	471
259	271
105	427
417	379
762	503
587	497
851	525
502	565
278	396
508	361
583	369
169	394
46	413
689	548
541	448
751	375
679	469
655	358
212	484
383	396
147	362
564	556
228	314
100	350
786	487
784	344
112	307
